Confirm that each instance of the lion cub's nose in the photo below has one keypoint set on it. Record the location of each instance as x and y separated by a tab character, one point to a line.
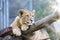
31	21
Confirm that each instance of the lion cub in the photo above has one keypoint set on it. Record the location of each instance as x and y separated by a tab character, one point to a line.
22	21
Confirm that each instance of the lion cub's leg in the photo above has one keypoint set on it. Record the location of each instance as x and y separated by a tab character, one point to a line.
24	27
16	31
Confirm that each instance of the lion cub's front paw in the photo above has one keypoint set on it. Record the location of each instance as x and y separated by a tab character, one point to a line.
24	28
17	31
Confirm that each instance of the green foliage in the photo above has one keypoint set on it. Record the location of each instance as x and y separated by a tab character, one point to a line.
43	10
51	34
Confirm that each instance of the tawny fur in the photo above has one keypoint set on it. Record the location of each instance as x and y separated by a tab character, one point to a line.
22	21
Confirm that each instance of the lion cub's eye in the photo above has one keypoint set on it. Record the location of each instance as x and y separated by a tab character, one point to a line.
27	15
32	16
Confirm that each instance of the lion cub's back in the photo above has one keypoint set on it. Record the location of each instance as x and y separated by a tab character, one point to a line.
15	22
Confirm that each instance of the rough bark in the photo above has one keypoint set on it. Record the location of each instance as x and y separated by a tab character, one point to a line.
5	31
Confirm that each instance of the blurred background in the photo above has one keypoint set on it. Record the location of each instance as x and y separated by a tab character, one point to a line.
9	10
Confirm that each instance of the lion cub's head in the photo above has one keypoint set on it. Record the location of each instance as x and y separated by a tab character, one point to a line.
26	17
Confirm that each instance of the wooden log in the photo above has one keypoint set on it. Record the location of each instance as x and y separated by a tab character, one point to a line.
48	19
5	31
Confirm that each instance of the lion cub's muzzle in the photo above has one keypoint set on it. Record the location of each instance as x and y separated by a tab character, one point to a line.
30	22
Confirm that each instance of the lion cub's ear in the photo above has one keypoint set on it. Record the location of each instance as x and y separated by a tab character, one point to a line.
20	13
33	12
